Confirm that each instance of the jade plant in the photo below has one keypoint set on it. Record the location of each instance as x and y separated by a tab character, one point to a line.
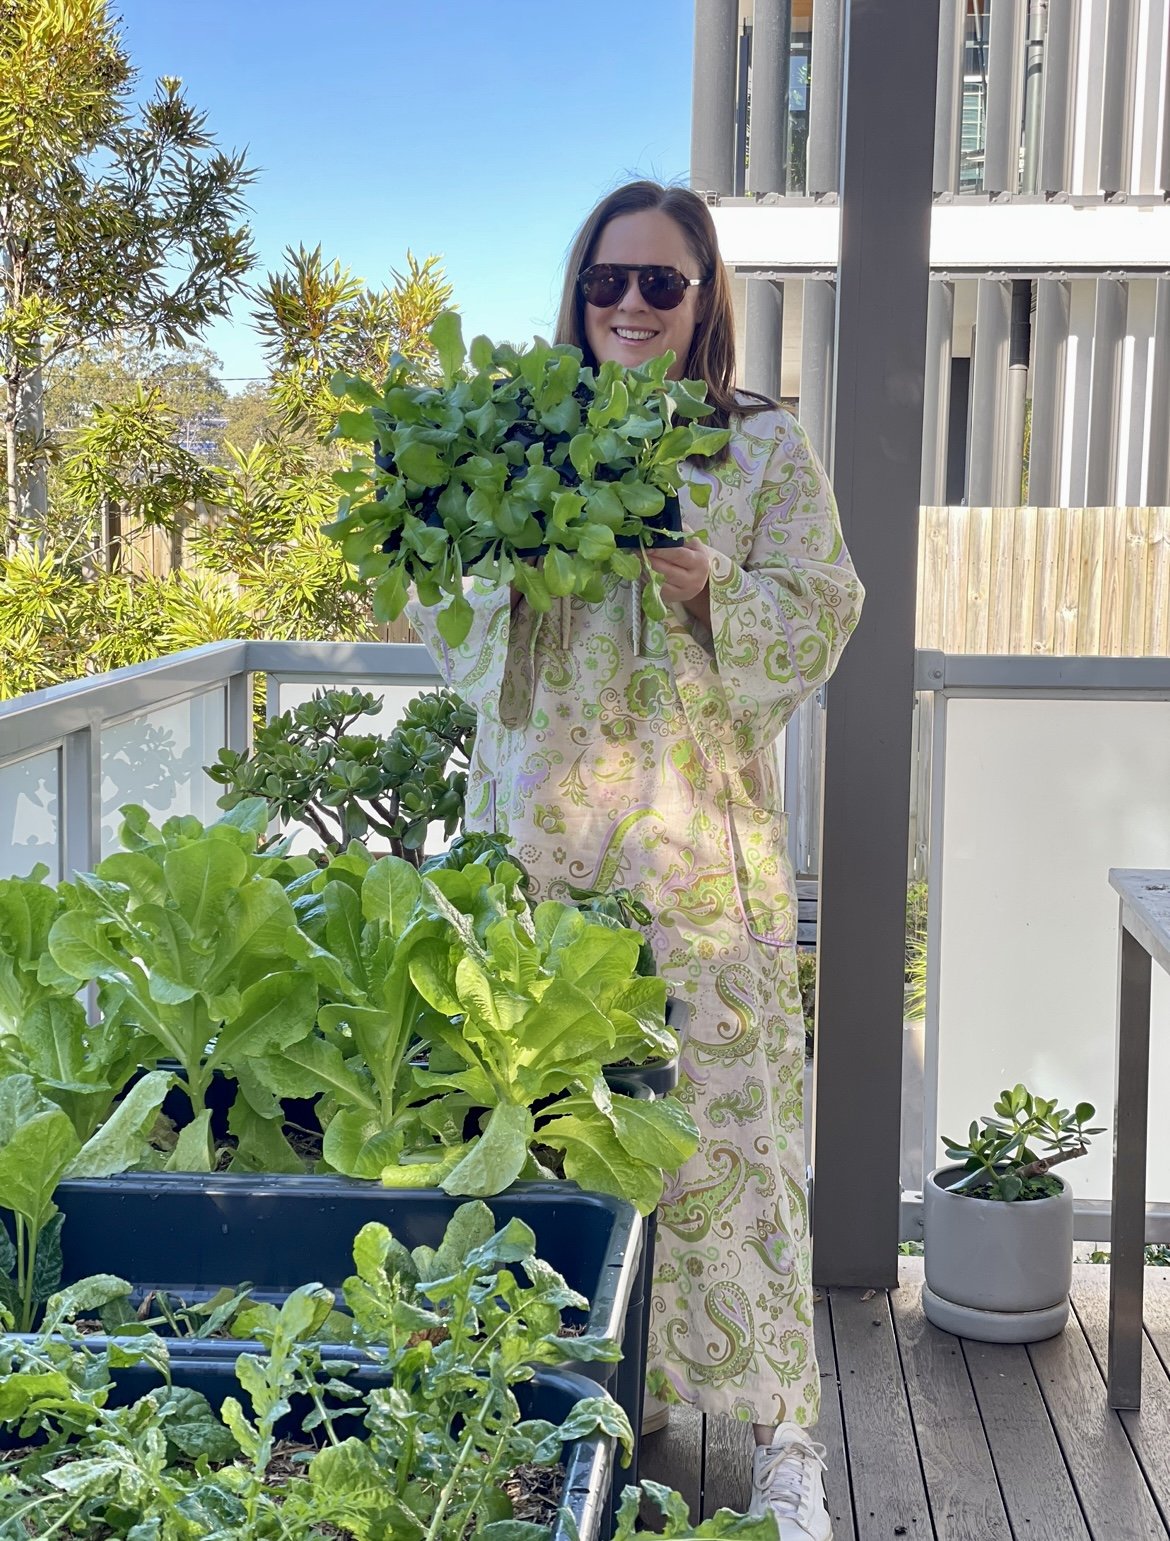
309	765
1011	1156
526	468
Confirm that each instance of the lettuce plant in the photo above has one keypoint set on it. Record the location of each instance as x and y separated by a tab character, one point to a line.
527	1009
38	1147
80	1065
186	929
515	456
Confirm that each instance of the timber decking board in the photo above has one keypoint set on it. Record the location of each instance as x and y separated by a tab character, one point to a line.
728	1476
961	1484
675	1456
830	1430
1067	1468
1038	1493
1112	1490
889	1498
1149	1428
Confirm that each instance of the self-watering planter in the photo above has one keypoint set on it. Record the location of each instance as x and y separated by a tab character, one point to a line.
997	1272
551	1394
190	1233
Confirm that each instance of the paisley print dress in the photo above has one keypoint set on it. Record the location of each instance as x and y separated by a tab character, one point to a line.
622	752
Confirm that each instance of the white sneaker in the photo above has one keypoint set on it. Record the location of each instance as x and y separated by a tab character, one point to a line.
787	1481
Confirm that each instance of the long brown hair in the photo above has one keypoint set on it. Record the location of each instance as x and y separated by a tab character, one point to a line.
712	353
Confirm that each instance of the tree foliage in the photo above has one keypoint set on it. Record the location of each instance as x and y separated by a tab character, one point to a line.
316	318
111	221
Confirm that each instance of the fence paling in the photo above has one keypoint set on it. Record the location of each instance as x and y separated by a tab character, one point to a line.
1088	581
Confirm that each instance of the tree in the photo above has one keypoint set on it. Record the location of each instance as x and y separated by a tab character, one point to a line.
111	222
108	374
252	418
317	317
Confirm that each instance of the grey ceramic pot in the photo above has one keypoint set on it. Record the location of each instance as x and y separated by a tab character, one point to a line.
996	1272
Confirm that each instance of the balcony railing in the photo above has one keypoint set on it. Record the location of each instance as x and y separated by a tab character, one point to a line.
1044	773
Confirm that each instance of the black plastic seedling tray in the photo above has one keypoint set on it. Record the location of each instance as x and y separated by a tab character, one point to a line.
551	1394
191	1233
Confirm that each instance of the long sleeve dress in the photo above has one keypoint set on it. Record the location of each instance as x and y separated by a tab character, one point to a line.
617	752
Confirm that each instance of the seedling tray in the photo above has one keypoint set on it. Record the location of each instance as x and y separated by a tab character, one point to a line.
551	1394
190	1234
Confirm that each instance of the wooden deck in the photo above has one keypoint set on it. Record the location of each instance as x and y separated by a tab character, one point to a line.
940	1439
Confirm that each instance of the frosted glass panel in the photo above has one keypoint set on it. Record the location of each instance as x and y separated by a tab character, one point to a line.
29	830
1042	798
157	760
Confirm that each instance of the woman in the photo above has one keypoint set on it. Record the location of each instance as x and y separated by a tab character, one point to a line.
622	753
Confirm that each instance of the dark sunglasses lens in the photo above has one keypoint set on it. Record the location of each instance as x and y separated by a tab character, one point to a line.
663	288
603	285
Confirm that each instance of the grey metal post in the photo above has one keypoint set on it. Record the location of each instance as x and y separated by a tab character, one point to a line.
883	282
768	131
238	713
948	111
940	323
1117	108
823	167
1019	348
763	336
1108	335
713	96
1035	37
1158	479
1164	174
1127	1231
985	478
743	67
1001	159
1049	349
817	347
80	800
1059	67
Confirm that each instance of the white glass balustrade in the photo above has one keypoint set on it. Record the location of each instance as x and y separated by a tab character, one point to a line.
29	807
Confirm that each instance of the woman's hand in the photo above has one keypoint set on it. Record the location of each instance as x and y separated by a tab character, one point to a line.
685	572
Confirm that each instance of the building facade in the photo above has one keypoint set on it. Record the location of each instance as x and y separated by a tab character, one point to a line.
1048	356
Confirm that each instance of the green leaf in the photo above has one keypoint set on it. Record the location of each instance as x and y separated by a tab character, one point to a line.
446	336
662	1132
274	1012
596	1159
357	427
201	877
421	463
482	354
495	1160
454	621
260	1142
121	1141
192	1152
357	1145
391	891
33	1159
191	1426
558	571
87	1296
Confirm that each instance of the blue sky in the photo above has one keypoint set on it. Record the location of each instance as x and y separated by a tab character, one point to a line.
483	130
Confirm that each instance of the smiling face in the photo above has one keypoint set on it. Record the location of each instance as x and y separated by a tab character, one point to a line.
632	331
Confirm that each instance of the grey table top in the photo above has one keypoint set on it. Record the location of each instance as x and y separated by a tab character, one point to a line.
1145	908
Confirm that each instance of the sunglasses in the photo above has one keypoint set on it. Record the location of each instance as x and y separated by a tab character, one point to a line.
663	288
